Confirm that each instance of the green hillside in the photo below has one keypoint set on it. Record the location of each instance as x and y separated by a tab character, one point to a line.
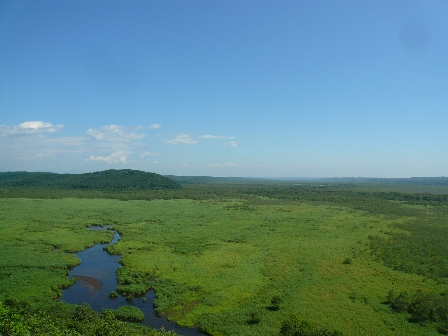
112	180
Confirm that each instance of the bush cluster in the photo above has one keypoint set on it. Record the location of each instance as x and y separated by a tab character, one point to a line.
423	307
295	327
18	320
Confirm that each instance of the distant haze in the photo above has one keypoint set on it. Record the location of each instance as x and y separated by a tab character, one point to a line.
225	88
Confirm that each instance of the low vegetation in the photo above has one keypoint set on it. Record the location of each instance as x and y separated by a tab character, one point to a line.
128	313
239	258
21	320
294	327
423	307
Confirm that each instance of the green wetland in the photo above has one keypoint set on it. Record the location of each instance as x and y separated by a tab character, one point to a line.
97	283
233	258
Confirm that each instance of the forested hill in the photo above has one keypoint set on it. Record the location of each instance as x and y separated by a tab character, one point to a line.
113	180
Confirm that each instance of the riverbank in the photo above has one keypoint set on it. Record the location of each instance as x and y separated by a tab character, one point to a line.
96	279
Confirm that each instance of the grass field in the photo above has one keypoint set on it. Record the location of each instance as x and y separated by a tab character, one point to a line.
218	264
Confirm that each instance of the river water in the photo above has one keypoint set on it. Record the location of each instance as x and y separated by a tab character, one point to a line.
97	278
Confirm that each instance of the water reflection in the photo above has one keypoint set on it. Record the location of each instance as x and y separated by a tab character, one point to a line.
96	278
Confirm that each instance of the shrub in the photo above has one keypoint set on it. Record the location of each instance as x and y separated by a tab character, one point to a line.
276	301
129	313
294	327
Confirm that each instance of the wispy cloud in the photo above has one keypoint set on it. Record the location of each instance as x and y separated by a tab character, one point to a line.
145	154
117	157
115	133
232	143
155	126
209	136
35	140
187	139
183	139
40	126
38	141
30	127
220	165
40	145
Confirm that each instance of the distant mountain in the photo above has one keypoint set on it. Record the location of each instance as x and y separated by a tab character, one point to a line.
207	179
113	180
442	181
406	181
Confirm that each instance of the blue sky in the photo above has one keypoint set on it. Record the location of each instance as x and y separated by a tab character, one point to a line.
225	88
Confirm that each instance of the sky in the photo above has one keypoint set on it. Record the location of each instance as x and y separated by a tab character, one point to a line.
225	88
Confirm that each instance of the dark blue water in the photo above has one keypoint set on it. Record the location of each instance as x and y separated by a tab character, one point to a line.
97	278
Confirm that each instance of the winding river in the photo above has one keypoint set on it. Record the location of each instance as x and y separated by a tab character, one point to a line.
96	278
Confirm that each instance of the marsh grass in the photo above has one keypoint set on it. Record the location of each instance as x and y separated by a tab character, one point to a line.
219	263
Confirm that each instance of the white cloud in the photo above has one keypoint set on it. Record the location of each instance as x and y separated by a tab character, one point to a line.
40	125
182	138
30	127
34	140
209	136
38	141
116	157
186	139
115	133
148	154
39	145
232	143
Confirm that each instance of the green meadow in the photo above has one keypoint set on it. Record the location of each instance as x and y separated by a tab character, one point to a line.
248	265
